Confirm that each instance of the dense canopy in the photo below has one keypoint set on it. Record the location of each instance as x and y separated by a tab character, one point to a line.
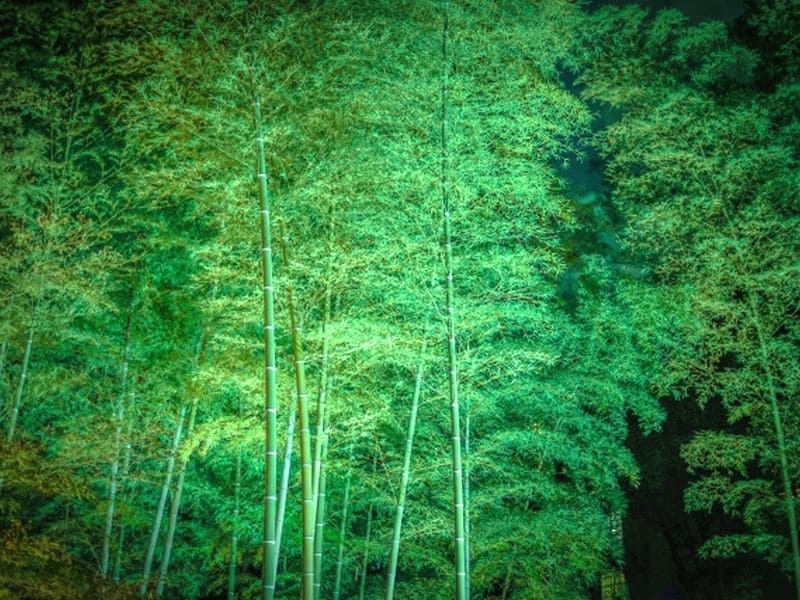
414	300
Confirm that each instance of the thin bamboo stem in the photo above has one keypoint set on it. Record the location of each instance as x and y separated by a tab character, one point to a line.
175	507
401	500
306	469
270	386
151	548
455	419
287	468
342	529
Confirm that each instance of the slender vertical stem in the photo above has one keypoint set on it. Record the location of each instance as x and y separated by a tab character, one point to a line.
175	507
151	548
365	560
237	486
320	524
455	420
23	376
466	497
401	500
126	469
306	470
113	484
3	350
270	387
287	468
342	529
323	376
782	453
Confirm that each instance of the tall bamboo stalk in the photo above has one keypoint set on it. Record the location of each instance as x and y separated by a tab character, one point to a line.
237	484
401	499
306	469
237	487
455	420
175	507
284	492
270	386
342	529
782	452
319	529
126	469
151	548
466	497
323	377
23	376
113	483
365	559
3	350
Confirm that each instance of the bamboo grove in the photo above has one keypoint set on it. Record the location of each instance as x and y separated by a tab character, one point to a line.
306	299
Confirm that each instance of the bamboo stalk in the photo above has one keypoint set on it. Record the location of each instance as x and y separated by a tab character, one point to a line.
320	524
287	467
126	468
401	500
306	469
23	376
342	530
270	387
151	548
455	419
113	484
175	507
365	560
234	529
782	453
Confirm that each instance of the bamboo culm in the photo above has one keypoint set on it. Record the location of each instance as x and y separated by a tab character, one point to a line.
342	530
270	385
237	485
151	548
362	585
23	376
306	469
782	454
287	468
123	480
320	524
394	554
175	507
113	483
455	420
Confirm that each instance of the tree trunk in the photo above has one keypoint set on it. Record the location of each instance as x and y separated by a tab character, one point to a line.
175	507
455	420
342	530
112	487
151	548
270	387
782	454
287	468
306	470
23	376
401	500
